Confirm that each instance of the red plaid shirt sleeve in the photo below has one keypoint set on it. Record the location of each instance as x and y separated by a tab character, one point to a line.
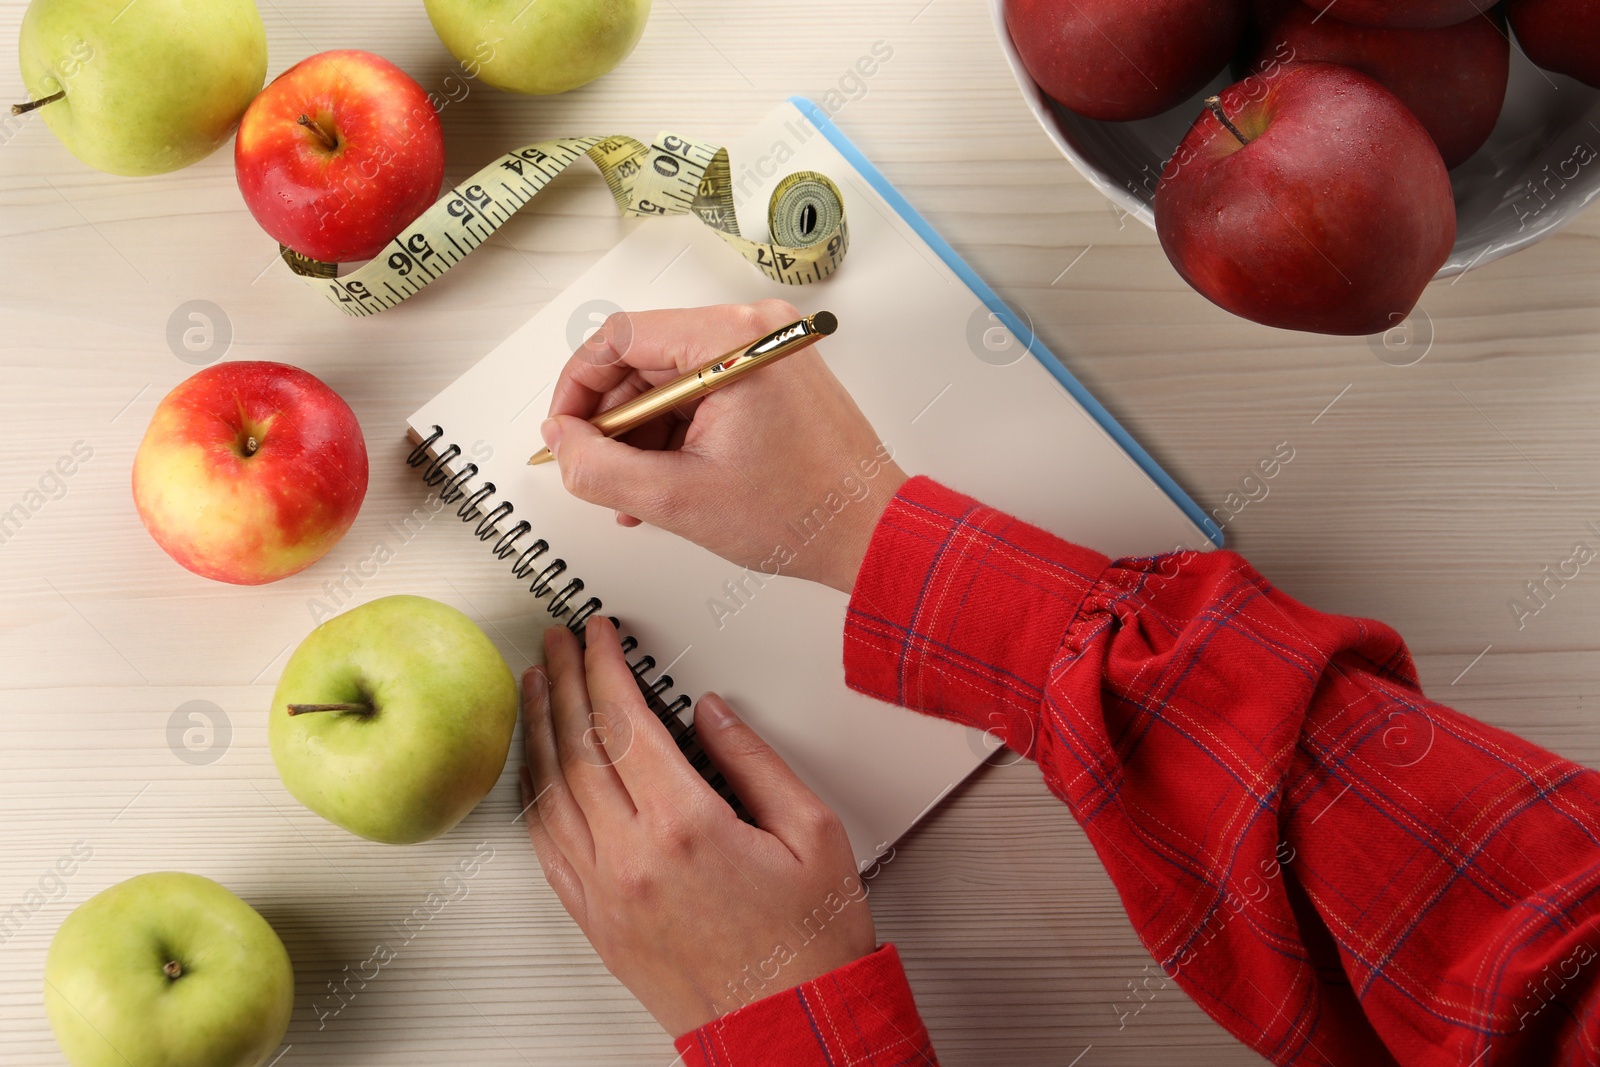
860	1014
1336	868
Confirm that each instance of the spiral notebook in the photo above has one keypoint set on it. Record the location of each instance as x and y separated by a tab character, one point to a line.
955	384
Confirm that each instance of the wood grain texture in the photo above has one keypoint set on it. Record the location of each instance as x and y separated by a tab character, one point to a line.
1426	496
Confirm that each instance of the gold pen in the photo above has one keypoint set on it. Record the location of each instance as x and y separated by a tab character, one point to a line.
774	346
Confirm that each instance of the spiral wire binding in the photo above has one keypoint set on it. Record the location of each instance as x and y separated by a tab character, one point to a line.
453	487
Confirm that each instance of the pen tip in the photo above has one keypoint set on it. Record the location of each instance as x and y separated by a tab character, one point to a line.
824	322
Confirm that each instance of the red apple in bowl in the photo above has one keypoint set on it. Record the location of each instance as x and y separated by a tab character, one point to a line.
1453	79
1308	200
1560	35
338	155
1405	14
250	472
1124	59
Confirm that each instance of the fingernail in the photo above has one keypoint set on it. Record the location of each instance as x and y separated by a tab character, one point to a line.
533	684
550	430
713	712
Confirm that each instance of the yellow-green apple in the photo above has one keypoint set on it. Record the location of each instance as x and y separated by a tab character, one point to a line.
146	87
1406	14
1453	78
393	719
167	970
1311	200
542	48
1560	35
250	471
339	154
1124	59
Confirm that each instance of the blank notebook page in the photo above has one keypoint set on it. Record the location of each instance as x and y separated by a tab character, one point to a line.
1001	428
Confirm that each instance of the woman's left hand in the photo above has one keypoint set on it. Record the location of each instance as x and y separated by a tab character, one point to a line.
695	911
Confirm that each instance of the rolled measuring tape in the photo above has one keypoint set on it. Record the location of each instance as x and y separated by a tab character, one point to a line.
673	176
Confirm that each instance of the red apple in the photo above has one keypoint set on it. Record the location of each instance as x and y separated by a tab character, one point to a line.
1124	59
1329	210
1403	14
1560	35
1453	79
250	472
339	154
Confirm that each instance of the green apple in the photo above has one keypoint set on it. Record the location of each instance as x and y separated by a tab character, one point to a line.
544	47
393	719
142	87
167	970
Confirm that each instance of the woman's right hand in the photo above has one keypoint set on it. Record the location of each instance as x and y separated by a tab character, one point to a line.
779	471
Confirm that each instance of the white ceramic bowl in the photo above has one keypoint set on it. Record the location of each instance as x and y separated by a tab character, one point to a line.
1541	164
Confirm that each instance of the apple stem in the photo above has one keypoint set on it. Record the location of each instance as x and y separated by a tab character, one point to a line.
23	109
301	709
1215	104
250	445
173	969
327	138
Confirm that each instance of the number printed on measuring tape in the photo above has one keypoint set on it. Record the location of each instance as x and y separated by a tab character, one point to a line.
674	176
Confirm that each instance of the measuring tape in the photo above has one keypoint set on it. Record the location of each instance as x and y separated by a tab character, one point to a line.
673	176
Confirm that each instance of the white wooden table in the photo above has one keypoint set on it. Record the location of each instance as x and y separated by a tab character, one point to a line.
1424	495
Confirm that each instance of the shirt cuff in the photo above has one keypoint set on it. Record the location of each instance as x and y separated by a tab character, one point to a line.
959	609
861	1014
